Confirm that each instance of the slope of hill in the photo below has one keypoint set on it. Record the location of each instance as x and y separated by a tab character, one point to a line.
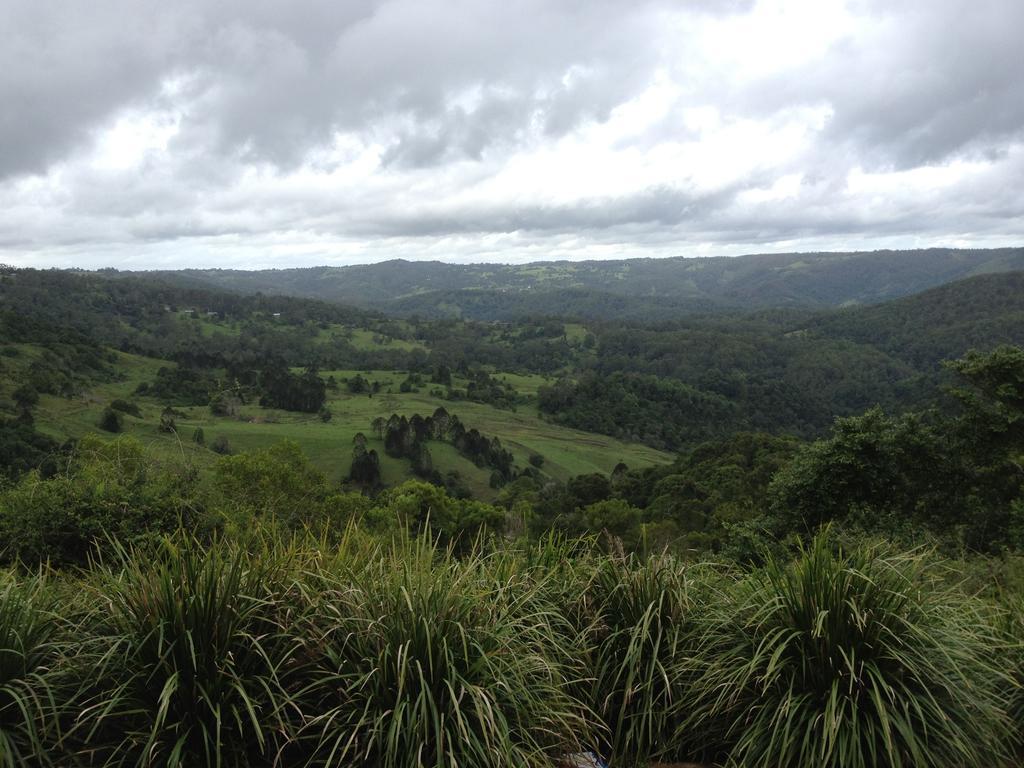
677	285
937	324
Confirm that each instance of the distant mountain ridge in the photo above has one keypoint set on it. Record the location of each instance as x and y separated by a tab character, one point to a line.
653	288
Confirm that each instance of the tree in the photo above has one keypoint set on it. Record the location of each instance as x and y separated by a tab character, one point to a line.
167	423
26	396
110	420
276	483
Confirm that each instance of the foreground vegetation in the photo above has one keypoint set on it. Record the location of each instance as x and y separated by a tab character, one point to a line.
397	653
248	531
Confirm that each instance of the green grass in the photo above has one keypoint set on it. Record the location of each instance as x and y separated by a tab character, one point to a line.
567	452
575	333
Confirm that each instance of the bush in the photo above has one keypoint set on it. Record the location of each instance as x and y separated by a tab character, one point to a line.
111	421
276	483
644	636
221	445
852	659
106	489
30	692
190	677
428	660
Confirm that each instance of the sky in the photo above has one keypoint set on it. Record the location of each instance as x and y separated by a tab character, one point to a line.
251	134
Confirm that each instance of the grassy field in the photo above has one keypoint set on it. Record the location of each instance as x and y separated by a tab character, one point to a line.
567	452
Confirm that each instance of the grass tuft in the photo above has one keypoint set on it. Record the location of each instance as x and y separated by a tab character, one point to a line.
850	660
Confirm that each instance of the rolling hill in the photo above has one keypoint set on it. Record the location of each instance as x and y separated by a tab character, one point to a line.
634	288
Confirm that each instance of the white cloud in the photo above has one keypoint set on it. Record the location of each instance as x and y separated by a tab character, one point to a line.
254	134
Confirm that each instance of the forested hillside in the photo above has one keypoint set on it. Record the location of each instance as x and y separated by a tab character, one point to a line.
636	289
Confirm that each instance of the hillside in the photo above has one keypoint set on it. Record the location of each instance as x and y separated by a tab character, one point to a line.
675	285
937	324
668	386
567	452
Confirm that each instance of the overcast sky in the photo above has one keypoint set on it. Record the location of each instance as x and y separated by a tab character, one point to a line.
250	133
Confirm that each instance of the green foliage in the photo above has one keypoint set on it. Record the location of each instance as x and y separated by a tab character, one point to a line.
255	652
167	423
194	644
425	660
956	477
25	396
22	448
276	484
852	658
221	445
645	632
105	489
429	510
111	421
303	392
179	386
656	411
33	695
365	467
893	470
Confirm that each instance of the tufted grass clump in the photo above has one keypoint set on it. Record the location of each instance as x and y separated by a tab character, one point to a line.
188	644
32	694
646	633
424	659
852	659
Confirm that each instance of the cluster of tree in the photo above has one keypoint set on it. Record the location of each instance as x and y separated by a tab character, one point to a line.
103	491
365	468
305	392
949	476
360	385
63	360
407	438
957	476
178	385
23	448
484	388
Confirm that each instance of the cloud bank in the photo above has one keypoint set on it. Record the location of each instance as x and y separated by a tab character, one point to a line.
251	133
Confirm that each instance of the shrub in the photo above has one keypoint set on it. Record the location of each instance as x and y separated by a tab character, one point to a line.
190	677
106	489
852	659
644	638
30	695
221	445
111	421
429	661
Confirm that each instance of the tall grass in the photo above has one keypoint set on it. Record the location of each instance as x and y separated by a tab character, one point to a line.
429	660
403	654
31	693
853	659
645	634
191	643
